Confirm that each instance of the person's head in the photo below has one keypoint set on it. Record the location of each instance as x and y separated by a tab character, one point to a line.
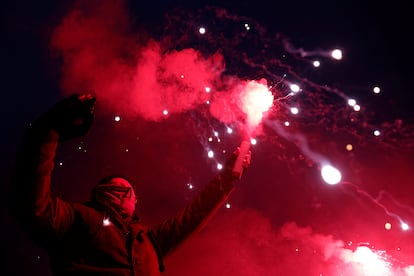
117	192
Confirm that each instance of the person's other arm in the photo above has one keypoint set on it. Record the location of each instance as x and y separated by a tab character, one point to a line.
42	214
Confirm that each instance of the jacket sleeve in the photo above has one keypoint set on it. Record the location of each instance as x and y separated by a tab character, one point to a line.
43	215
194	216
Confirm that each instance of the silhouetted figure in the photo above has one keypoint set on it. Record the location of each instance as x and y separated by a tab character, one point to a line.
102	236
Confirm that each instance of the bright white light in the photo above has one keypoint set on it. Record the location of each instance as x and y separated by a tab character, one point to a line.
376	90
202	30
404	226
210	139
256	99
117	118
370	262
219	166
352	102
294	110
165	112
357	107
207	89
210	154
377	132
229	130
295	88
247	26
106	221
253	141
216	133
287	123
336	54
207	102
331	175
228	205
190	186
182	76
316	63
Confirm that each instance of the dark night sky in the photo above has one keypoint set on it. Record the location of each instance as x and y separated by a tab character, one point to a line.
283	216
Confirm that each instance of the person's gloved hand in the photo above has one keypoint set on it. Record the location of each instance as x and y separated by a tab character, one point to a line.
73	116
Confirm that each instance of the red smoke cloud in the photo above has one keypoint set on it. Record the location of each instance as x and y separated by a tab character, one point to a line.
102	55
245	243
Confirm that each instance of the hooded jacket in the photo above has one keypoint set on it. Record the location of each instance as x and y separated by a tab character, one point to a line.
87	239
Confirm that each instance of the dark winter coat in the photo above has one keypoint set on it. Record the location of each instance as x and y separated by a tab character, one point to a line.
86	239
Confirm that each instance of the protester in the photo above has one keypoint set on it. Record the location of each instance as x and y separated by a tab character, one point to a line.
102	236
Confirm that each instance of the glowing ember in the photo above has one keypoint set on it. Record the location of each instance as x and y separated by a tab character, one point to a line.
351	102
294	88
405	226
336	54
376	90
202	30
331	175
316	63
294	110
388	226
106	221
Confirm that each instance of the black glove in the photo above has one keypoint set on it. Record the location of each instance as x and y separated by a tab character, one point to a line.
73	116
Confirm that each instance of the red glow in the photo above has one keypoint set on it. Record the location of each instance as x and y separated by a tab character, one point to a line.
106	59
140	78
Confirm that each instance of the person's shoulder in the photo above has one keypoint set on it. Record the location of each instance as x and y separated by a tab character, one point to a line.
138	226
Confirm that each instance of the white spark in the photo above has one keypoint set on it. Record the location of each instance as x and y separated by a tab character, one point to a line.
336	54
352	102
294	110
294	88
331	175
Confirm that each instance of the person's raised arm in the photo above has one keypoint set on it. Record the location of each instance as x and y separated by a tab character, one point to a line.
197	214
31	201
